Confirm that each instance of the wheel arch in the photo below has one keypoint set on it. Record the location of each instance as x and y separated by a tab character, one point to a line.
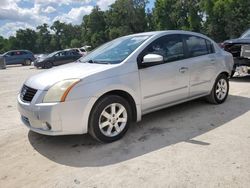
125	95
225	73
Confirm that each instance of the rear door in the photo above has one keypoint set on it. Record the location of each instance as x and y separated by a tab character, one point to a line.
202	60
23	56
72	56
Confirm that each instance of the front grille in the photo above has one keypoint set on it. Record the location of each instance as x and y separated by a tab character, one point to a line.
245	51
27	93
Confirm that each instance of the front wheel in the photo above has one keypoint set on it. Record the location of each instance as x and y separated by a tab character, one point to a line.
110	119
48	65
220	90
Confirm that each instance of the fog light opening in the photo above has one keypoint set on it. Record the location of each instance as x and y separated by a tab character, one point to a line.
48	126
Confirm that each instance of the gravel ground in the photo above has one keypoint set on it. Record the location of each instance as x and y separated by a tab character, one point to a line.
190	145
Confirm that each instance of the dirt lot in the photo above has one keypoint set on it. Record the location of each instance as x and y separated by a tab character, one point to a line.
190	145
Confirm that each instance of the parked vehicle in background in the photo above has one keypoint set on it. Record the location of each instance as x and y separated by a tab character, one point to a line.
38	56
2	63
15	57
57	58
83	50
240	49
122	80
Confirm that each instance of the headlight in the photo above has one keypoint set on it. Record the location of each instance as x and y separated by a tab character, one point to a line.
59	91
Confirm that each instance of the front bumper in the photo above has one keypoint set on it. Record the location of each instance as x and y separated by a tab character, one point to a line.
38	64
65	118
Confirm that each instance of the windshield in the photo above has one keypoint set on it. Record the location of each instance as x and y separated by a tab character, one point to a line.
52	54
246	34
116	51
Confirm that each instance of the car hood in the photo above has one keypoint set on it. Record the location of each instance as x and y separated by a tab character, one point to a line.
45	79
41	59
238	41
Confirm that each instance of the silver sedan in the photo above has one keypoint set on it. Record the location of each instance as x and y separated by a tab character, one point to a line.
119	82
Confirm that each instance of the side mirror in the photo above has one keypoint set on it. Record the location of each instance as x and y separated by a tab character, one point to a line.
152	58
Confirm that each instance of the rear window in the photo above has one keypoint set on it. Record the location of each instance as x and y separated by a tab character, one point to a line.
198	46
23	53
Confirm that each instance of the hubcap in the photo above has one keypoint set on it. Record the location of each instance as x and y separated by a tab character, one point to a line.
221	89
113	120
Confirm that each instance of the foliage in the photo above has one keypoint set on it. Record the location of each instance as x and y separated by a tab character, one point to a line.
220	19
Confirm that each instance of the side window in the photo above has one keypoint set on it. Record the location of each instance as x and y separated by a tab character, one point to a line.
170	47
75	53
23	53
9	54
198	46
59	54
18	53
210	47
71	53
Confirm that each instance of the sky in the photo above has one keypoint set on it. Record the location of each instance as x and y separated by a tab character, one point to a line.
21	14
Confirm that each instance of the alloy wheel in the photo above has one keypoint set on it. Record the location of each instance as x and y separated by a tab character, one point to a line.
113	120
221	89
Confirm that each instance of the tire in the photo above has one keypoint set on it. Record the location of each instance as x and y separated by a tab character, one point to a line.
220	90
48	65
114	126
232	74
27	62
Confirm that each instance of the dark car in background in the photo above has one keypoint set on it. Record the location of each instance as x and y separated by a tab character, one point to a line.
57	58
240	49
15	57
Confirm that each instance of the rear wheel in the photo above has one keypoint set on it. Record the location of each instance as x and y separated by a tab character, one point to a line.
27	62
220	90
110	118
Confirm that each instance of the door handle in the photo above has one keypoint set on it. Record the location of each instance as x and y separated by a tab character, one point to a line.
212	61
183	69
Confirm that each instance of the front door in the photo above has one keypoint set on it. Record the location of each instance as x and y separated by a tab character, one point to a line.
167	82
60	58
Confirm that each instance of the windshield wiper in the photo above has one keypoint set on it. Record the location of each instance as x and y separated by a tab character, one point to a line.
94	62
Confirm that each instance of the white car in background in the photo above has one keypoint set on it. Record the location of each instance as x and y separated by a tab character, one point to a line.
122	80
83	50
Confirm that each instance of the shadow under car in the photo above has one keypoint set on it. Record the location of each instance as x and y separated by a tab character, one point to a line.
181	123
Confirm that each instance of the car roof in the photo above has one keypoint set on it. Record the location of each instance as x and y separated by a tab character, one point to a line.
155	33
19	51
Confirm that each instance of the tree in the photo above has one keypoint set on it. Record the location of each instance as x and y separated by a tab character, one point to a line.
43	38
25	39
75	43
126	17
3	44
226	18
220	19
180	14
94	28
